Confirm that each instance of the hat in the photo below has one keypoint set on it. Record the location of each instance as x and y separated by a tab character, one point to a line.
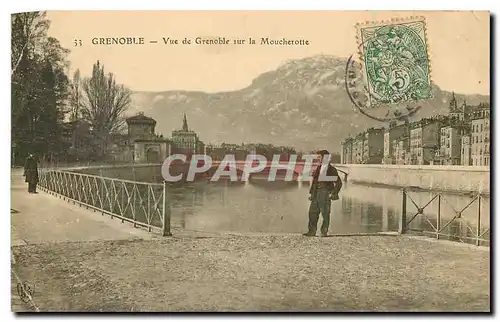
323	152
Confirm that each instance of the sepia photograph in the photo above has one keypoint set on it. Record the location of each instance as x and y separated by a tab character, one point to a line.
250	161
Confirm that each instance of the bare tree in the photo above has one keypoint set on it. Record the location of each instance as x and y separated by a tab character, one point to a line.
105	103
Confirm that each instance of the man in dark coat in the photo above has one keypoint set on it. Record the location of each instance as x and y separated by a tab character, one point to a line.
325	187
31	173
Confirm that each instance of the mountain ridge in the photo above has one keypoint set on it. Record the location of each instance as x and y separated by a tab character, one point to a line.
302	103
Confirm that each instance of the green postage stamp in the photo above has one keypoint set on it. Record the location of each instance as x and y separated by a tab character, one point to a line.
395	61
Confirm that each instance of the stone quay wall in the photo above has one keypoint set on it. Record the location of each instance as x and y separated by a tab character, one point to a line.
455	179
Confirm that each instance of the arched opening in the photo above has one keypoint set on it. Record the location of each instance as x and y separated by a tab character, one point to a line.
152	156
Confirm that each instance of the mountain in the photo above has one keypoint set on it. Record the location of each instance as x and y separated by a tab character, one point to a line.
303	103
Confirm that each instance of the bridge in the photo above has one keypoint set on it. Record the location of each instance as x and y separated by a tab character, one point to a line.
299	169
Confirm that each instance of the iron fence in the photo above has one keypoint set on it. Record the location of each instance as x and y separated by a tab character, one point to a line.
456	228
141	203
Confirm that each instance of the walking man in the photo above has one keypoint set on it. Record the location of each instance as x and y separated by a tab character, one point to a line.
31	173
325	187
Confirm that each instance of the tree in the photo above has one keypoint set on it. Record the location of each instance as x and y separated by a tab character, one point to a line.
28	30
39	85
104	105
75	102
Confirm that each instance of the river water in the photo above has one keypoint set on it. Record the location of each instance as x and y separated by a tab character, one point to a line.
283	208
280	207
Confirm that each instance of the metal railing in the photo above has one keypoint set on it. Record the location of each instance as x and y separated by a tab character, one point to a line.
141	203
439	228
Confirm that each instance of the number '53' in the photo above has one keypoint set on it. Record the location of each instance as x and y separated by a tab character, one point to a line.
77	42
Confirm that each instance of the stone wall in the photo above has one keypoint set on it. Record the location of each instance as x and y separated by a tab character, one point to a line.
457	179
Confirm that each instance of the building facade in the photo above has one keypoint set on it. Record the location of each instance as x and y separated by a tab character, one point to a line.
346	151
401	150
373	146
186	141
144	145
424	141
358	148
480	137
465	156
218	152
393	133
449	152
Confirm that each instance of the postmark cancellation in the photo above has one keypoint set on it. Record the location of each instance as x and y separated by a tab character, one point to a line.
395	60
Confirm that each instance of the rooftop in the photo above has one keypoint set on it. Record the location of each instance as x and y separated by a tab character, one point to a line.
140	118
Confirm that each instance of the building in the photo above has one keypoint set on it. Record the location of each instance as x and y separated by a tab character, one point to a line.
465	155
269	151
450	145
346	151
218	152
186	141
393	133
425	140
460	113
480	136
373	146
143	144
358	148
400	148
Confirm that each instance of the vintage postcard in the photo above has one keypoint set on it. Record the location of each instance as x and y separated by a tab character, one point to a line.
250	161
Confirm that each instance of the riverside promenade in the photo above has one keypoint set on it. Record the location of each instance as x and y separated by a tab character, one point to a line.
79	260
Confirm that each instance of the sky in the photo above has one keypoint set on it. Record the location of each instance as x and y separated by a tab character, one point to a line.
458	45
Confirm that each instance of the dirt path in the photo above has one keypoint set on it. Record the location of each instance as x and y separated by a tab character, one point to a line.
285	273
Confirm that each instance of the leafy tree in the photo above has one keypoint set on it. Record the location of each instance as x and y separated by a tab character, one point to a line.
75	102
39	86
104	105
28	30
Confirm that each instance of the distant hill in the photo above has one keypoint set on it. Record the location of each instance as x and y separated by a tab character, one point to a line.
302	103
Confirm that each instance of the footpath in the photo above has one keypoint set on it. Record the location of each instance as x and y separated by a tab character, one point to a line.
74	259
43	218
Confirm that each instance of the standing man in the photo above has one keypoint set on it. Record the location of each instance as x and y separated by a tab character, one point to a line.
325	187
31	173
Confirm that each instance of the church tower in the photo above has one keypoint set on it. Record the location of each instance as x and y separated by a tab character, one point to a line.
185	141
453	103
185	124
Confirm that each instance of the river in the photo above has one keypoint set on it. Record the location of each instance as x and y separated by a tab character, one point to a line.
278	208
274	207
